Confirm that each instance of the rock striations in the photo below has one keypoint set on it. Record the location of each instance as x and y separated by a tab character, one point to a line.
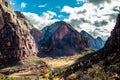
16	42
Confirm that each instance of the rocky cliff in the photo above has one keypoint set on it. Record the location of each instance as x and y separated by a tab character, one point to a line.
16	42
60	38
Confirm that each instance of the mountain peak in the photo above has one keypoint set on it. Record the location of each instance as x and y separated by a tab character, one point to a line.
83	32
60	38
99	38
55	26
91	41
60	22
49	30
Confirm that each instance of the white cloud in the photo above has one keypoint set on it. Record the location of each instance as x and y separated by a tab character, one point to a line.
91	13
42	6
41	21
23	5
12	2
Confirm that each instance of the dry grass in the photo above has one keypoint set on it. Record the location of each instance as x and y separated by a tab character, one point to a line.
61	62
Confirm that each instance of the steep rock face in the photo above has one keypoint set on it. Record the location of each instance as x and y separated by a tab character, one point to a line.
16	42
111	49
97	43
60	38
113	41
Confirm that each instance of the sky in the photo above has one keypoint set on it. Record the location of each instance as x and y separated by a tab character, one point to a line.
97	17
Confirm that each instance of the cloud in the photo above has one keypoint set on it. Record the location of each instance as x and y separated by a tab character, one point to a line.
96	19
23	5
98	2
100	23
42	6
12	2
80	1
41	21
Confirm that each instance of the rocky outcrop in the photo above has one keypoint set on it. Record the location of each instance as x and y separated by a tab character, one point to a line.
97	43
60	38
16	42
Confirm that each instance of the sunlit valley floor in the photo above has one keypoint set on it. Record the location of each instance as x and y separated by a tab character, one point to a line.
36	68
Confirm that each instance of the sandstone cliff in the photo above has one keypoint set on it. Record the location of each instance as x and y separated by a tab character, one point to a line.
16	42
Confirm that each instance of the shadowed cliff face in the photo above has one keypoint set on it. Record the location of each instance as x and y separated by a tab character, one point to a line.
61	39
113	41
16	42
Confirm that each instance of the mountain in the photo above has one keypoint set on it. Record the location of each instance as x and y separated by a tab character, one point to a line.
97	43
108	58
37	34
16	42
61	39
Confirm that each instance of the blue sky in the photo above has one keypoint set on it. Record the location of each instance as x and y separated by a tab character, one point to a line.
40	6
96	17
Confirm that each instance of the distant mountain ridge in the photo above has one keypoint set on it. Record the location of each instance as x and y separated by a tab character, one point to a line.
97	43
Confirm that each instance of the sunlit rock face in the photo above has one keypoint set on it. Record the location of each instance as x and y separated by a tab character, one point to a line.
60	38
16	42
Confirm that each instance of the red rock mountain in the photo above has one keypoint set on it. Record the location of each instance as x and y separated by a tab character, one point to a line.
16	42
61	39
